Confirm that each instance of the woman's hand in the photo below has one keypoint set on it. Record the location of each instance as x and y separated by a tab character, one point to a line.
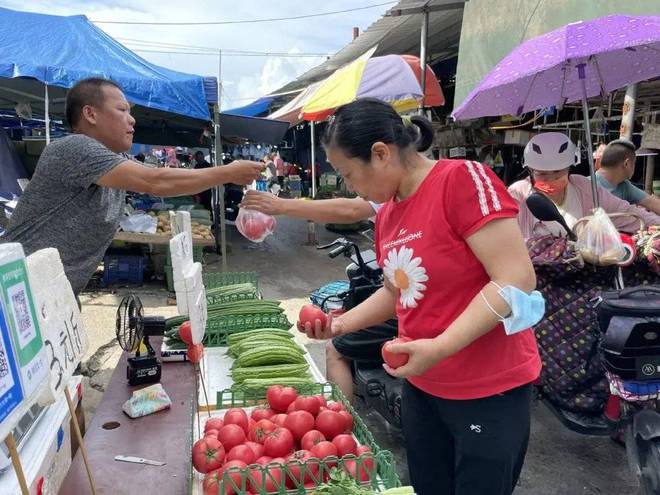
423	355
262	201
333	328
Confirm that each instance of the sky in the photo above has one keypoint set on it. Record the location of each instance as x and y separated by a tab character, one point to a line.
244	78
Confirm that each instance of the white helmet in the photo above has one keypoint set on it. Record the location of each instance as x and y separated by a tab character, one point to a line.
550	151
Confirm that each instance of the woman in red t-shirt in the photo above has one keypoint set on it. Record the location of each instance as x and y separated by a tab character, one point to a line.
449	245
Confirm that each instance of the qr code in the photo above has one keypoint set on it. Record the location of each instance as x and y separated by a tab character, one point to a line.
4	367
21	311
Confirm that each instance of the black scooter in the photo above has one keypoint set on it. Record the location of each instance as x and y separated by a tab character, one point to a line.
379	390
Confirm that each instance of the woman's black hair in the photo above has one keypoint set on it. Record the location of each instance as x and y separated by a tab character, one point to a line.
356	126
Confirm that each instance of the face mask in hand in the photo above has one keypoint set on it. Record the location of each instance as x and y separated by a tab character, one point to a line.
526	309
552	186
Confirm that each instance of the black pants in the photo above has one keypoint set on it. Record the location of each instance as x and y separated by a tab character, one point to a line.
465	447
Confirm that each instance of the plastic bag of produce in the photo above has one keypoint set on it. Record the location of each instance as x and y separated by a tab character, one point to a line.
254	225
599	242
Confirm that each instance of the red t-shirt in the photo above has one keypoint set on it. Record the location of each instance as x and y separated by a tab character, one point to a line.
421	245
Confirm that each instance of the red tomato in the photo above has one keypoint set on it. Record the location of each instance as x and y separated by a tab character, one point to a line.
257	448
310	313
207	454
271	223
185	332
237	416
231	436
195	353
233	470
213	424
307	403
279	419
241	453
211	433
280	397
253	228
322	450
299	423
279	443
263	460
322	401
394	360
262	413
351	467
335	406
266	478
330	423
295	465
345	444
311	438
291	408
348	421
261	429
212	482
368	457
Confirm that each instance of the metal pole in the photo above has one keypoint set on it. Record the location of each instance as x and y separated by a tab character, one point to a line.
219	199
47	113
313	144
628	117
587	131
422	56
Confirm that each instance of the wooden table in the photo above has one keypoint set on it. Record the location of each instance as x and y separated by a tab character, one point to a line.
164	436
156	239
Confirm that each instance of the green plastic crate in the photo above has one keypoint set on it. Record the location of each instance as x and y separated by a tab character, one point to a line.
218	279
218	299
169	278
217	329
384	474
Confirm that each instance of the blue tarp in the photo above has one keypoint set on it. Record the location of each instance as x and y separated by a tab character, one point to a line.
254	109
59	51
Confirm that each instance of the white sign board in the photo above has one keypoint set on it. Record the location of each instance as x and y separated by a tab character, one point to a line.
196	298
59	317
182	262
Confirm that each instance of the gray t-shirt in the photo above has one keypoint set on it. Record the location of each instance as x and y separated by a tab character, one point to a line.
62	207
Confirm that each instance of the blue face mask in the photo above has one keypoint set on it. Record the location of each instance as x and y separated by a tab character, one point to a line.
526	309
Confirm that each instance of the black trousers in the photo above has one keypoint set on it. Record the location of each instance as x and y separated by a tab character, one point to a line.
465	447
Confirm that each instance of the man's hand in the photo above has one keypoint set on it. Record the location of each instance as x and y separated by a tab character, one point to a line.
264	202
243	172
423	355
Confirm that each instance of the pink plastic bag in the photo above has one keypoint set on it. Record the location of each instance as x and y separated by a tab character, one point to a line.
254	225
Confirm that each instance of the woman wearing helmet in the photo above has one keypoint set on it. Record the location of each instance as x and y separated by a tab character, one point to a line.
549	157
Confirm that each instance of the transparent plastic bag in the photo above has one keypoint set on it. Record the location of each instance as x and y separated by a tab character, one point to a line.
599	242
254	225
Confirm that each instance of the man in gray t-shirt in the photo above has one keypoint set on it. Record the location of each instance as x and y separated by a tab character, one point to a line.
76	197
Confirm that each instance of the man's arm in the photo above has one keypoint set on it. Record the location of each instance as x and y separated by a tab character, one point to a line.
131	176
651	203
338	210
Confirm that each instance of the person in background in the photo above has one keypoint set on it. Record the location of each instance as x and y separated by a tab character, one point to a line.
279	169
140	157
271	172
199	163
76	197
549	157
617	167
458	276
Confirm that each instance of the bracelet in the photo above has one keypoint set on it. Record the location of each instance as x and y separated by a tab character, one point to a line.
481	293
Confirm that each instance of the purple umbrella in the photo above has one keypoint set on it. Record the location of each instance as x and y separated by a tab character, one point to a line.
575	62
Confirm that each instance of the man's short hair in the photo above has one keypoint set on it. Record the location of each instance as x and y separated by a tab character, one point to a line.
85	92
616	152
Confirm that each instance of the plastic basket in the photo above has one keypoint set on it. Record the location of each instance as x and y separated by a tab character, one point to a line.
327	298
218	298
123	269
382	476
218	328
218	279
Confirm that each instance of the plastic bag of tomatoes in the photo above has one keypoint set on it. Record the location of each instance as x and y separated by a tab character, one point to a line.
254	225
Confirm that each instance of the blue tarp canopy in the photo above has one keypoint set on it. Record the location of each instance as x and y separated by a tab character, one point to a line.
59	51
254	109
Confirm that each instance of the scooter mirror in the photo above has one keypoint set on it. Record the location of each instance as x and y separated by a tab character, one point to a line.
545	210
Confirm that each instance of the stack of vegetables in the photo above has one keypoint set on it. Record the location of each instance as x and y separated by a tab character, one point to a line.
234	292
267	356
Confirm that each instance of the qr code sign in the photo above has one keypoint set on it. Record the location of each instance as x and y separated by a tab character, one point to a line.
20	305
4	366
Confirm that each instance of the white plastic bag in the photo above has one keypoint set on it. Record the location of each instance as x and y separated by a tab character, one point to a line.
599	242
254	225
139	222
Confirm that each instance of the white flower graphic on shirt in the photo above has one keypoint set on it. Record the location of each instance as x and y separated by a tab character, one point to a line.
407	275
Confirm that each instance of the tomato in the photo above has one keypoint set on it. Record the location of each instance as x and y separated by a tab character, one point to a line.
233	470
253	229
212	482
322	450
308	403
195	353
257	448
299	423
345	444
262	413
231	436
309	313
242	453
322	401
335	406
311	438
266	478
279	419
280	397
237	416
207	454
185	332
291	408
394	360
330	423
279	443
211	433
213	424
261	429
295	464
348	421
368	457
263	460
351	467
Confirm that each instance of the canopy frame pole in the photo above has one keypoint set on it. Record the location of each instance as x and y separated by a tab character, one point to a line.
422	56
311	226
46	113
219	191
587	130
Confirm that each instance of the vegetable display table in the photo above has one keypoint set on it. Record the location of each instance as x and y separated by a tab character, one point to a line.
164	436
156	239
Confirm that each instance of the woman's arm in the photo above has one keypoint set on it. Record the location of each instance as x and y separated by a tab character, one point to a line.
500	248
612	204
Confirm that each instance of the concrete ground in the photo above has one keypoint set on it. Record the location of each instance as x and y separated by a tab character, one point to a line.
558	462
